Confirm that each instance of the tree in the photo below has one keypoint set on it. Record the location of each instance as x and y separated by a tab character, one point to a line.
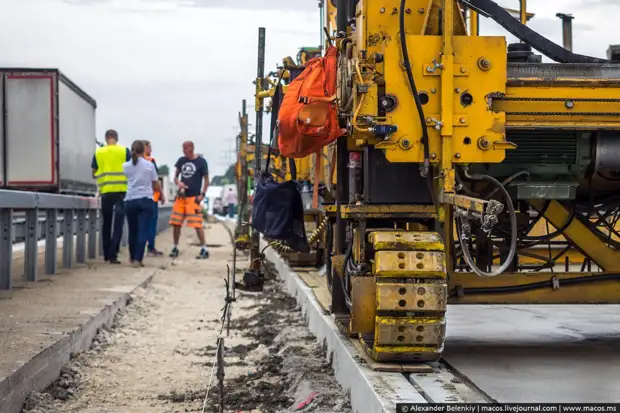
226	179
164	170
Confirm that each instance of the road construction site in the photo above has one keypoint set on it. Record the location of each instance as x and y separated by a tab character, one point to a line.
95	340
136	341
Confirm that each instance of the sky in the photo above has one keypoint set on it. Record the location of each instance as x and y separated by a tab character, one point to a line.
175	70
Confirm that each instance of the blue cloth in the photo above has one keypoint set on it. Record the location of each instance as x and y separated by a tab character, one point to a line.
192	172
139	214
153	227
93	163
140	178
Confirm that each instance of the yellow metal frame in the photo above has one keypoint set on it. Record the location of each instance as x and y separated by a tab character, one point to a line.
445	66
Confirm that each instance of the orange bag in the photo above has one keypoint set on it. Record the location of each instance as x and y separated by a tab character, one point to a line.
308	117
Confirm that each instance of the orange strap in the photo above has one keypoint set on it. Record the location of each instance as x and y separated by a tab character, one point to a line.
314	99
333	167
317	175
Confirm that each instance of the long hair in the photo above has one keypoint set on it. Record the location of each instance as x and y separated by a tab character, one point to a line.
137	151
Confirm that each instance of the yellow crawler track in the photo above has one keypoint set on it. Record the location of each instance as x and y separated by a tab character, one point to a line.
410	295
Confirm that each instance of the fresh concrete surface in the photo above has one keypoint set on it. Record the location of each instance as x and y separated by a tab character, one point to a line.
543	353
43	323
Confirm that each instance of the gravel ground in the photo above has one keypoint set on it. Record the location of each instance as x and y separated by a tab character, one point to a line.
158	355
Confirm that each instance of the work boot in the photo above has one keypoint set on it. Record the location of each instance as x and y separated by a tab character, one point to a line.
174	253
154	253
204	254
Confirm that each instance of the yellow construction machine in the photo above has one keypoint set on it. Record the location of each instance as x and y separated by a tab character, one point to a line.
463	156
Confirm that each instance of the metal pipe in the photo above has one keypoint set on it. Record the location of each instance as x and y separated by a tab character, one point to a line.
523	11
341	18
260	74
474	22
322	19
342	190
567	30
351	9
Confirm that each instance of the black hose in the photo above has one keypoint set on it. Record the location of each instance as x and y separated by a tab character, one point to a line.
510	289
416	98
513	231
537	238
554	234
490	8
293	167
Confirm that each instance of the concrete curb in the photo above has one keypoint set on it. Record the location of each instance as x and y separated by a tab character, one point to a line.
370	391
41	371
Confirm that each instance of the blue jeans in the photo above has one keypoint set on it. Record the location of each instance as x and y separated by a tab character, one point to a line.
231	210
139	213
153	227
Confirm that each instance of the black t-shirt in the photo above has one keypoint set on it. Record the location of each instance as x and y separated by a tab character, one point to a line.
192	174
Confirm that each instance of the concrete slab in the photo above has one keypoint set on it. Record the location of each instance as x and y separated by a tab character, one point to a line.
42	324
538	353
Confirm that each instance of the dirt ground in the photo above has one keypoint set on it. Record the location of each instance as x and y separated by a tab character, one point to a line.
158	356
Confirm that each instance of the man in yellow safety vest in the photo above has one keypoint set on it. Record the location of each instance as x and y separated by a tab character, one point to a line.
107	165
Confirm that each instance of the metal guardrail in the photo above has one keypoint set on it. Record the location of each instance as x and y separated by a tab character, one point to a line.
70	216
20	229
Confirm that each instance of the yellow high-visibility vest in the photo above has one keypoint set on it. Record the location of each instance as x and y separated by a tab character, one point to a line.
110	175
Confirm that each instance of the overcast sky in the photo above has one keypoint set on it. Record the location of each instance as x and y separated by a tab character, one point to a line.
171	70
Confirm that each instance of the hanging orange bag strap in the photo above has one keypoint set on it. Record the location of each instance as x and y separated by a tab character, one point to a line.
317	176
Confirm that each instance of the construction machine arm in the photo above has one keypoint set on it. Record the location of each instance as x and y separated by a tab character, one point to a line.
491	9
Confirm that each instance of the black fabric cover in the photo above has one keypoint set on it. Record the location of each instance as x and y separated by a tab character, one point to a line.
278	213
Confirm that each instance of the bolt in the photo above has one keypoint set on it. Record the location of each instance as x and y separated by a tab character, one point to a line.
429	69
429	120
483	143
462	120
457	155
421	291
569	104
463	70
382	10
433	156
408	11
421	11
484	63
406	143
433	90
457	90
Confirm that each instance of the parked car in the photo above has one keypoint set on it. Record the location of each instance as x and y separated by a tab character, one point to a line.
218	207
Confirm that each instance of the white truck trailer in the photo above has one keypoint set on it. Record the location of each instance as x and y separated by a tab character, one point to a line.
47	132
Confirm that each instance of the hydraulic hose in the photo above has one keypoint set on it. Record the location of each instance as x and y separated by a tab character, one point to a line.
314	237
511	289
416	98
513	231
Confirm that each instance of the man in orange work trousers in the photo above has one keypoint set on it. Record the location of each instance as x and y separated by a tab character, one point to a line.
192	179
157	198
